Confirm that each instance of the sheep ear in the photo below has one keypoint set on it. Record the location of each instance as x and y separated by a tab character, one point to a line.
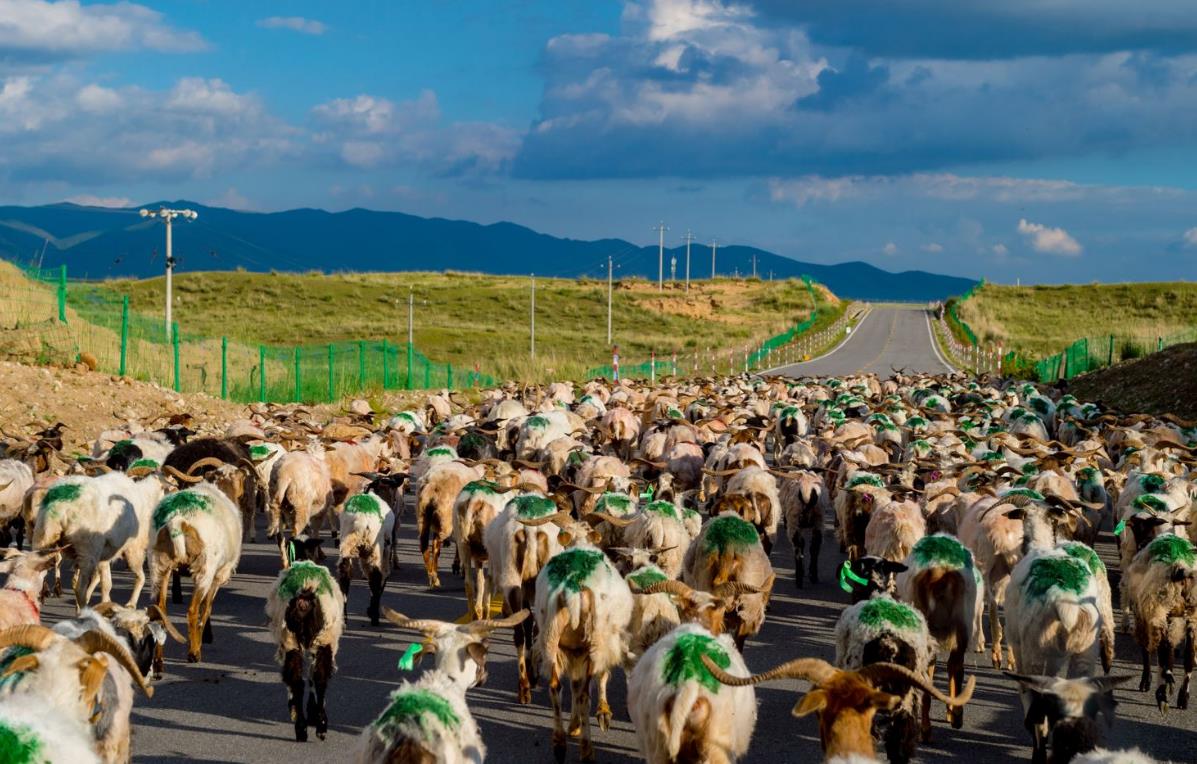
812	702
884	701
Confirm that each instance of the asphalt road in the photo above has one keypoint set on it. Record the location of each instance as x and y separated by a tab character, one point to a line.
890	337
232	706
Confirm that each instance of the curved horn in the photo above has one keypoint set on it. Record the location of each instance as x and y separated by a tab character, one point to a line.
158	614
537	521
654	465
719	473
180	476
98	642
734	589
666	587
814	670
876	672
399	619
603	517
490	624
32	636
207	461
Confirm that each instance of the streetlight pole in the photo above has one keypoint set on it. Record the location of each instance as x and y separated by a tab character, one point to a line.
167	216
411	301
661	228
714	244
689	238
533	330
610	267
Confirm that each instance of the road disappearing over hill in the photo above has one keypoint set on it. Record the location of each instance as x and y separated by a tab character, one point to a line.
889	337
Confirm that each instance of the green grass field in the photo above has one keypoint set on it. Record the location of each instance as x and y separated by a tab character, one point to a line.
468	319
1041	320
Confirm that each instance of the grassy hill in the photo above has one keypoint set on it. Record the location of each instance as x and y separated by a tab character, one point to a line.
1041	320
468	319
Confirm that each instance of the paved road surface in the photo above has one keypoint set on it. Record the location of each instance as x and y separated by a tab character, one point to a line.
890	337
232	707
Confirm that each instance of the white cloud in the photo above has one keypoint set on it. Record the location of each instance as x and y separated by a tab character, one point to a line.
295	24
90	200
231	199
43	30
1190	237
890	248
197	95
97	99
934	247
1000	250
1053	241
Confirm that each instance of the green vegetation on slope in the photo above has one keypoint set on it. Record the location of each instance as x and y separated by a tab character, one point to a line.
1038	321
468	319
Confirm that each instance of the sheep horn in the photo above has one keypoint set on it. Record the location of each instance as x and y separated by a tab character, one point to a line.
177	475
538	521
655	465
207	461
719	473
427	626
666	587
136	472
158	614
734	589
97	641
490	624
813	670
32	636
876	672
603	517
527	464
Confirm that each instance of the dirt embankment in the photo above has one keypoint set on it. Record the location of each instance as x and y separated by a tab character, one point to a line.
1161	383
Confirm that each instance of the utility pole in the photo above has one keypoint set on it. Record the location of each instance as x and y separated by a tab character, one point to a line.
672	272
661	228
714	244
754	266
689	238
534	315
610	268
167	216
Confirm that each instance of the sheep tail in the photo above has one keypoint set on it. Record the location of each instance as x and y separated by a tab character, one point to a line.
687	694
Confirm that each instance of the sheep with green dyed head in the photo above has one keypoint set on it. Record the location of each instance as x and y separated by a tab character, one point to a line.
1161	588
199	528
32	731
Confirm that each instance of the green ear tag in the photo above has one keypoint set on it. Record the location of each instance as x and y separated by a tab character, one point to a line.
1120	527
408	661
848	577
647	495
290	552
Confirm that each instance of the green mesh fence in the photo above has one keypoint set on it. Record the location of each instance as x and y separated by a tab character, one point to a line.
54	320
1091	353
964	333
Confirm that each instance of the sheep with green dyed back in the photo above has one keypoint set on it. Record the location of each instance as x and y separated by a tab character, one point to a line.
583	609
679	711
436	493
200	528
33	732
1161	585
729	550
367	539
99	520
479	502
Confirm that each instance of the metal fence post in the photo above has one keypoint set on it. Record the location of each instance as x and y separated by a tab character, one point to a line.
409	360
124	333
1110	362
62	291
361	365
262	373
174	339
330	372
297	382
224	368
449	376
386	366
427	375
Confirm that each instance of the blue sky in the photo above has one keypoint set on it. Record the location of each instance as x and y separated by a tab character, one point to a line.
1041	140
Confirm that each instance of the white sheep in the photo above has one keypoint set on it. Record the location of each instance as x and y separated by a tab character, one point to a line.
200	528
893	530
38	732
98	520
679	711
436	493
1161	584
20	599
367	537
479	502
16	478
760	488
301	491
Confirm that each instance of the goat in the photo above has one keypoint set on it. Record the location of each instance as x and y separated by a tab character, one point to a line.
1061	714
882	630
20	599
760	488
854	503
893	530
33	730
144	632
87	679
97	520
942	582
657	526
680	711
479	502
201	528
804	505
16	478
437	492
429	720
301	490
306	612
583	608
729	550
1162	586
367	536
845	701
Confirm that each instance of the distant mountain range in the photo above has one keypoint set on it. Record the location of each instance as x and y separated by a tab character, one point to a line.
97	242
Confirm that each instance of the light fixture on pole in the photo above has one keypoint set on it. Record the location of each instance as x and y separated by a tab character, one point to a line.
167	216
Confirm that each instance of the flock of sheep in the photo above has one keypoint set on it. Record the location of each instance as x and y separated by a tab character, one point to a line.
623	527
